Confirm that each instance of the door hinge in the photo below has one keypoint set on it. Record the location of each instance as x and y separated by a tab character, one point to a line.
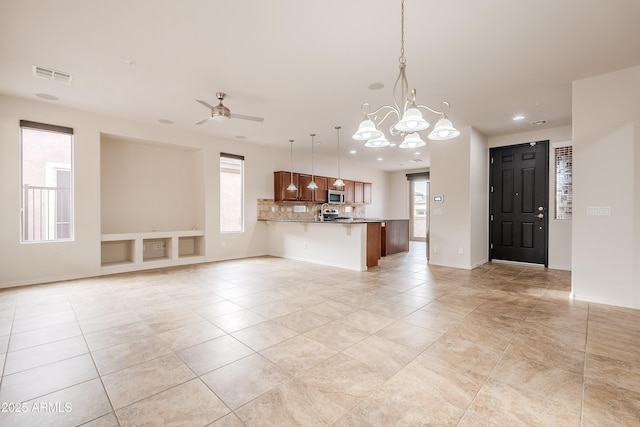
491	217
492	160
492	188
492	246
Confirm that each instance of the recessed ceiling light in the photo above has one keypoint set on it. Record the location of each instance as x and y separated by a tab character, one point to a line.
379	159
47	96
393	144
352	152
376	85
417	153
518	117
539	122
166	121
240	137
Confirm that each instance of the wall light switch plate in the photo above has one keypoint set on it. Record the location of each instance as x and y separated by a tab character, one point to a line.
599	211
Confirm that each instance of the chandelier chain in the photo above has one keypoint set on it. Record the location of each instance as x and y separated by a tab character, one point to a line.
402	59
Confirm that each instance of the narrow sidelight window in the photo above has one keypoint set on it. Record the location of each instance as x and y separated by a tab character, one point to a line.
47	182
231	193
564	182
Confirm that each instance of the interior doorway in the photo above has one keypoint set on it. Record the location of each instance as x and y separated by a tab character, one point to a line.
419	210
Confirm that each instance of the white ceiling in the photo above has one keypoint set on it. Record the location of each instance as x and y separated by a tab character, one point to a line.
305	66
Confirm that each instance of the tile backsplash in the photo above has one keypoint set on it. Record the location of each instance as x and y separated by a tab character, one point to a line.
270	210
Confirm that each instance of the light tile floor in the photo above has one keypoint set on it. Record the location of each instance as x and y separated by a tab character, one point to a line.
274	342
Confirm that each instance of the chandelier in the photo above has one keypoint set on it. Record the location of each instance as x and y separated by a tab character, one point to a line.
407	112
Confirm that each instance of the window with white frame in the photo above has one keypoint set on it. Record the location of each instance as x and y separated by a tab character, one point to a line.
231	193
46	182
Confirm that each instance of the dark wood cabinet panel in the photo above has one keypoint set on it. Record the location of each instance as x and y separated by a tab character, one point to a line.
320	195
349	191
305	194
395	236
356	192
281	181
373	243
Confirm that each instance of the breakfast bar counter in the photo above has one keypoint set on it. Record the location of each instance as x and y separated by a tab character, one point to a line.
349	244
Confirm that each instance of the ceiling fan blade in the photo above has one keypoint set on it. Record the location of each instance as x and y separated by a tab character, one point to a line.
243	117
204	121
205	104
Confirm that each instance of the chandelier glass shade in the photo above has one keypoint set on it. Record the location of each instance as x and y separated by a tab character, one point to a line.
406	111
292	186
312	185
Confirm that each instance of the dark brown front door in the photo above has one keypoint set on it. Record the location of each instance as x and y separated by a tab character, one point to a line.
518	203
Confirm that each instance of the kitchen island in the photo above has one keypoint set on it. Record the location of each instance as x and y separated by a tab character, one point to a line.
349	244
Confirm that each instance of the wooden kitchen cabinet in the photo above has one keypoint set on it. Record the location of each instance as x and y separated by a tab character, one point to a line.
367	191
358	192
281	181
306	195
349	191
320	195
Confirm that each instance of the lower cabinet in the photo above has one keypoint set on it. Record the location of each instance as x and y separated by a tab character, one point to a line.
394	236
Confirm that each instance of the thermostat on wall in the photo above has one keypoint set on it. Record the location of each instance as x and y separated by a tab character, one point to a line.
438	198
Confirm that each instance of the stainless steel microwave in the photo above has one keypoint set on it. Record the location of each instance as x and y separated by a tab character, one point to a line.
335	196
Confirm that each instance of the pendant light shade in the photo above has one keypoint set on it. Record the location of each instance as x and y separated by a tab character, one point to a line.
338	182
443	130
412	140
312	185
292	186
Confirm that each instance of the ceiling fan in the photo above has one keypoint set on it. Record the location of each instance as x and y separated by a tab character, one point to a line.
220	113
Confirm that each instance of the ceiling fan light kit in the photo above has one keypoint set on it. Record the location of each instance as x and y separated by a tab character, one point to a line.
404	108
220	113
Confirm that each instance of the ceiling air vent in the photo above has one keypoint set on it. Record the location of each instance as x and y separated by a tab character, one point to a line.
49	74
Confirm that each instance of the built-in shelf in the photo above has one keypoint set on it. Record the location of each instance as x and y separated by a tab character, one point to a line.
123	252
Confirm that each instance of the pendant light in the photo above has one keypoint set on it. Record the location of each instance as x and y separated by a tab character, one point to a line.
405	110
292	186
338	182
312	185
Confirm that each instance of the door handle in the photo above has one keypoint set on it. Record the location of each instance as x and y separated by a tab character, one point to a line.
540	215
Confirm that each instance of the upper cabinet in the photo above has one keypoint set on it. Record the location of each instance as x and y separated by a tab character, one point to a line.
281	181
349	195
366	192
356	192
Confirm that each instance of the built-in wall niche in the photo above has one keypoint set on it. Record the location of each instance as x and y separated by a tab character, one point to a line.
117	252
150	186
152	204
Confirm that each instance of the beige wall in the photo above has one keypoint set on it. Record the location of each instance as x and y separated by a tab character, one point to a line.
606	154
44	262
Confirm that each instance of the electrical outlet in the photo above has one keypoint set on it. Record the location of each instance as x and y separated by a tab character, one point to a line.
157	246
435	249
